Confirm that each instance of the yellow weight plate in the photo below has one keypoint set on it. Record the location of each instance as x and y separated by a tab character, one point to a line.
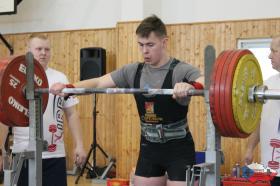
247	74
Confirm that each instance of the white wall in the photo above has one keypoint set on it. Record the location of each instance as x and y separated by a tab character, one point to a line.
187	11
131	10
52	15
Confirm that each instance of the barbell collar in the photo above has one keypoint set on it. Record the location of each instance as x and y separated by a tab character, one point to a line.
82	91
259	93
251	94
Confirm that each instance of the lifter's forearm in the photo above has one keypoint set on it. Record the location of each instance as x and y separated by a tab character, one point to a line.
254	139
4	132
101	82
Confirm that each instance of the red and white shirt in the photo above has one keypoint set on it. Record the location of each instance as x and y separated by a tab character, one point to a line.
270	129
52	121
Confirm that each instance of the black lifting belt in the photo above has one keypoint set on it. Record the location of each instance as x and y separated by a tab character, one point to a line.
161	133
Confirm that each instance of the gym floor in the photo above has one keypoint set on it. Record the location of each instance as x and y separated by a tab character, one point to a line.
82	182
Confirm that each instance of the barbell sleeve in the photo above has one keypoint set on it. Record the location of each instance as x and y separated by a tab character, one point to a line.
262	93
272	94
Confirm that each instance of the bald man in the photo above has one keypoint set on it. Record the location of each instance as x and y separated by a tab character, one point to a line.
268	132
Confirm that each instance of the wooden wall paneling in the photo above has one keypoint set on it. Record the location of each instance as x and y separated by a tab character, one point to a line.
180	39
106	107
4	51
128	143
204	36
60	49
174	38
127	125
124	105
268	27
105	39
195	114
134	123
121	115
185	41
274	26
19	43
85	106
106	102
65	57
256	28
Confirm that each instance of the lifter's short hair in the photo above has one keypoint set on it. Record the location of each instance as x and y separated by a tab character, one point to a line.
151	24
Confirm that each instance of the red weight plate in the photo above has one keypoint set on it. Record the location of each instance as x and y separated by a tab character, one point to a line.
218	103
214	92
227	117
217	94
228	92
226	125
230	123
212	88
213	109
229	130
13	82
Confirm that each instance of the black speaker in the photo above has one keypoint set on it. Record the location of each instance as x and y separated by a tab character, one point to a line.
93	62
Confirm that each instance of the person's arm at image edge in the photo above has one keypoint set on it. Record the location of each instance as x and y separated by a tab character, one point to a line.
105	81
253	141
4	132
74	124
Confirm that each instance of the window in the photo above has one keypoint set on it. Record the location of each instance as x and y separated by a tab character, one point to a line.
261	49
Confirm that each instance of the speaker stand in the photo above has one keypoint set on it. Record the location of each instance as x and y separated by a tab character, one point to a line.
93	169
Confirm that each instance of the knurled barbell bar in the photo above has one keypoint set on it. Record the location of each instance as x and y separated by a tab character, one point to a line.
82	91
236	93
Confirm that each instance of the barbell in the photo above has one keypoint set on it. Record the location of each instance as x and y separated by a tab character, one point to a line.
236	92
